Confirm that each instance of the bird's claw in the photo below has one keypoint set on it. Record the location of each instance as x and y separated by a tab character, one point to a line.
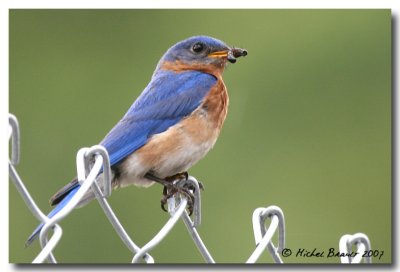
170	191
201	186
187	190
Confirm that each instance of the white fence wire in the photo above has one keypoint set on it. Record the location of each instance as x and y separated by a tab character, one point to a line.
92	161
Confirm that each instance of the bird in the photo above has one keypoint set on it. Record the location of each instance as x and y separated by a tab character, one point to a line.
173	124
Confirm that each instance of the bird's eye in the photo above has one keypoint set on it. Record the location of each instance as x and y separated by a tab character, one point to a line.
198	47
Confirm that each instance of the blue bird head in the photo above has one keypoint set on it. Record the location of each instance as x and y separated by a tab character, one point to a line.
202	50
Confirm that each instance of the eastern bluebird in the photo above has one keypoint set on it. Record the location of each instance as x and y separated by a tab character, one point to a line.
173	123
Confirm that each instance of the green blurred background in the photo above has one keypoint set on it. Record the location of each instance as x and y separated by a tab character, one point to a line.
308	129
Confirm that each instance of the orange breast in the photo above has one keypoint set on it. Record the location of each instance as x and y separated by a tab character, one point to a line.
216	104
184	144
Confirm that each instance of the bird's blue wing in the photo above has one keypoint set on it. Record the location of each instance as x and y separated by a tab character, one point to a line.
168	98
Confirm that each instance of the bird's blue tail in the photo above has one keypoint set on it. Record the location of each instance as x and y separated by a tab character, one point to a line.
61	204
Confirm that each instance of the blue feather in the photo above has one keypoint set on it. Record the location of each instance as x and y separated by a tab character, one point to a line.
168	98
58	208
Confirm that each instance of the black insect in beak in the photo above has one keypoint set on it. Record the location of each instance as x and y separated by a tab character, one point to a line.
235	53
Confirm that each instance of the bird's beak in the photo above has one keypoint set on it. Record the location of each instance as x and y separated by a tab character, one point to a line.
219	54
231	55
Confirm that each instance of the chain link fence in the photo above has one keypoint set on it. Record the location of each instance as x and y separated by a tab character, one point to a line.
92	161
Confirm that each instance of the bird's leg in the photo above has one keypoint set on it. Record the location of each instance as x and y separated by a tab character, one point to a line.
183	175
152	177
171	189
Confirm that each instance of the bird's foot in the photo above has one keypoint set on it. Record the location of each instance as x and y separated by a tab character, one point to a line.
170	191
186	190
171	188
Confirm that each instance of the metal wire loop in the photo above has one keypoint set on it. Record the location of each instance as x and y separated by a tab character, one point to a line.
90	155
263	235
268	213
15	139
360	241
192	182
